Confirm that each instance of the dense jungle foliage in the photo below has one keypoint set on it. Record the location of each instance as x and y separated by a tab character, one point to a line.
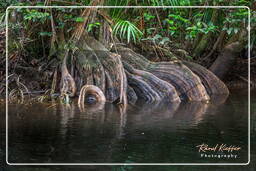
38	37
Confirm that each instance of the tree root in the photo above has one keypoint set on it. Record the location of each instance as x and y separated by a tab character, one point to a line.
211	82
187	84
68	85
92	95
226	59
159	89
124	76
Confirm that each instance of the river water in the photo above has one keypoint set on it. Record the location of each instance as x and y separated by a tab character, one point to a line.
146	133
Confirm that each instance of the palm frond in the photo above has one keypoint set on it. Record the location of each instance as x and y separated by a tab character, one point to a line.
126	30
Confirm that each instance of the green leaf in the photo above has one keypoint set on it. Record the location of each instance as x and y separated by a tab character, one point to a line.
148	17
173	28
189	57
128	34
79	19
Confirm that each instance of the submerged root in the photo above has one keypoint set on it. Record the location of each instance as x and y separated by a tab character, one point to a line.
91	94
91	97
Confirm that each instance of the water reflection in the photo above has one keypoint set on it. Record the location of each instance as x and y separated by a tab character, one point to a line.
103	133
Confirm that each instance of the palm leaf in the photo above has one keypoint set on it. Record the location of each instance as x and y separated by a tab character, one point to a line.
126	30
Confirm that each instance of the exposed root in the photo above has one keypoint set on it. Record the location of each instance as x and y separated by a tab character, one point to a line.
142	89
226	59
211	82
54	82
116	77
187	84
91	94
159	88
18	93
67	81
131	95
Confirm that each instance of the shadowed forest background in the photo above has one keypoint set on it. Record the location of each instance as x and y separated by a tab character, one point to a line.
40	38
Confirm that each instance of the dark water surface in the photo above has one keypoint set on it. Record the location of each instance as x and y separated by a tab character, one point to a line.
159	133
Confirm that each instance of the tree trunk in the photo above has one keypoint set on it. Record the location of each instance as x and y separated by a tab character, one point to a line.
226	59
203	43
